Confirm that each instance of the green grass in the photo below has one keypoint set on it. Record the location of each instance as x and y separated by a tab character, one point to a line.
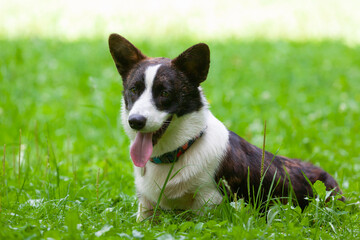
65	98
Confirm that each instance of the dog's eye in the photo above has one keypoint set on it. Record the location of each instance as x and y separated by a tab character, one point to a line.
164	93
133	90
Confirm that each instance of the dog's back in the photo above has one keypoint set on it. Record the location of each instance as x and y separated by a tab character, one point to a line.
281	174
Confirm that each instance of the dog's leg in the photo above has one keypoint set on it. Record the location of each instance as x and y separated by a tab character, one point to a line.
145	209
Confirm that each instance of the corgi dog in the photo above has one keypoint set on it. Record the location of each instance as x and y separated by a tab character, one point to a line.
167	118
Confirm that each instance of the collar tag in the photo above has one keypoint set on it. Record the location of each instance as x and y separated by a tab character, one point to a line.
143	171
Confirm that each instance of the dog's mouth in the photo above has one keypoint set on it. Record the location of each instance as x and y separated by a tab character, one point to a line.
158	134
142	147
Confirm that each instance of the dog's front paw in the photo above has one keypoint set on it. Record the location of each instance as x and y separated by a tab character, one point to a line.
141	216
144	211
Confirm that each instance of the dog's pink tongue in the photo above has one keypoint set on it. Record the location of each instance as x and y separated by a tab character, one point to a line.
141	149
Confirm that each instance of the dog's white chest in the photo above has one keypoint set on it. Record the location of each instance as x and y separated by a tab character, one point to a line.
177	194
151	180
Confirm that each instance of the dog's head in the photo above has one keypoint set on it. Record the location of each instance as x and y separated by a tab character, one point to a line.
155	89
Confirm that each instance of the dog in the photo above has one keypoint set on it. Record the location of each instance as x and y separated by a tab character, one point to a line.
167	118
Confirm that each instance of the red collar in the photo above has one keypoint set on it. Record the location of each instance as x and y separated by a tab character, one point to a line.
173	156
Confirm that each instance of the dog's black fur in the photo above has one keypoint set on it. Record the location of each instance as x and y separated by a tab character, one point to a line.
243	159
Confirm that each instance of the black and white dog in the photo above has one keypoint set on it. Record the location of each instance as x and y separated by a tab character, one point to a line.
166	116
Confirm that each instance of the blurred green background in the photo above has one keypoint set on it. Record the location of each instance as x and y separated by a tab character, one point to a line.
295	64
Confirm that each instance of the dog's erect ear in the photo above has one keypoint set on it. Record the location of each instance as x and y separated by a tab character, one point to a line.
194	62
125	54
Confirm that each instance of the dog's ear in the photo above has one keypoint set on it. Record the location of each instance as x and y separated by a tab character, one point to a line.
125	54
194	62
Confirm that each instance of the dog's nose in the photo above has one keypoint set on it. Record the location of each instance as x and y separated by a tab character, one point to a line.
137	121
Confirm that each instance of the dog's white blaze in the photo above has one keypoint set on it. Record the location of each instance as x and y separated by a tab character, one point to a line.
150	74
145	104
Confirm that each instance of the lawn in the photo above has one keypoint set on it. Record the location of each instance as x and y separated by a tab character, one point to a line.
68	174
